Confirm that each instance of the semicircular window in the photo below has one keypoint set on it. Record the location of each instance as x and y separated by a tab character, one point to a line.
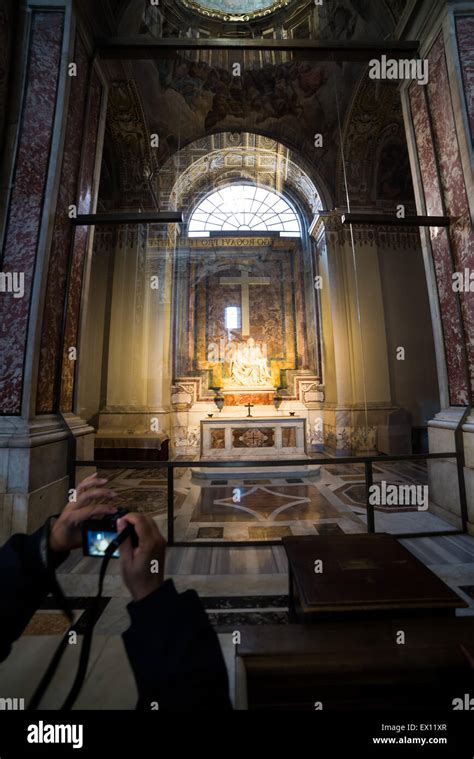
236	9
244	208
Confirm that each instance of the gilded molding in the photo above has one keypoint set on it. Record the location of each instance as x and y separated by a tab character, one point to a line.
222	16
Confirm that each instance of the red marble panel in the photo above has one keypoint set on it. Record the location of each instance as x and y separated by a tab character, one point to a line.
451	322
444	132
452	181
426	154
51	348
80	242
454	343
465	37
27	198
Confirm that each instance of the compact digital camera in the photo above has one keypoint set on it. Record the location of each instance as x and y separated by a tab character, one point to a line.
98	534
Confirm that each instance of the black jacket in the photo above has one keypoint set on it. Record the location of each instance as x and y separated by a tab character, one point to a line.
173	650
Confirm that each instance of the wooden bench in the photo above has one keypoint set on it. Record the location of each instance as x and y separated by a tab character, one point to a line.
359	665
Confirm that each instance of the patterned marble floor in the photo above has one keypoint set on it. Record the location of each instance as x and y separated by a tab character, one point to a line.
239	585
252	579
271	507
229	573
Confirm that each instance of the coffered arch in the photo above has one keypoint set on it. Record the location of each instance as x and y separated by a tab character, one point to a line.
223	159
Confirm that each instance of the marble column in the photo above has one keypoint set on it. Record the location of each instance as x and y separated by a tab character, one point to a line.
439	121
355	360
47	170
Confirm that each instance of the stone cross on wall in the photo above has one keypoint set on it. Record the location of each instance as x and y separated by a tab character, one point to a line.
245	280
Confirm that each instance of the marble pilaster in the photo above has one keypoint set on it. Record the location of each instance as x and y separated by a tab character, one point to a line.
438	120
52	153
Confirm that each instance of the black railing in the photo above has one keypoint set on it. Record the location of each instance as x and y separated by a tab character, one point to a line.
367	461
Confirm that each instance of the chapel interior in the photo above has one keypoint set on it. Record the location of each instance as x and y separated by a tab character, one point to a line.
248	300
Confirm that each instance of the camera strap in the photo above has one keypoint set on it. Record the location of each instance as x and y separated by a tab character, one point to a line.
86	642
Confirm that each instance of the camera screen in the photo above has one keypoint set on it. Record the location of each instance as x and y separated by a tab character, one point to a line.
99	541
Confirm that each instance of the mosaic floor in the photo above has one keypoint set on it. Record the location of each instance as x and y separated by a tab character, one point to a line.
272	507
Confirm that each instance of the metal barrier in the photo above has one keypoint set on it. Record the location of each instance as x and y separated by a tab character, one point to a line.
368	461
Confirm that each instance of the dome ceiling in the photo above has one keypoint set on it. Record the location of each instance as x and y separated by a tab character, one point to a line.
235	10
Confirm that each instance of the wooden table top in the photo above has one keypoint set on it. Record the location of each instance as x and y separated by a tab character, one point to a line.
362	573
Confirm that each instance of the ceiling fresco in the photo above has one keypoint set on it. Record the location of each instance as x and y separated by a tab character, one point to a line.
192	96
226	158
290	101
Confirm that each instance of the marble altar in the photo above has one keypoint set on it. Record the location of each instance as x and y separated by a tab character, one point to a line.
263	437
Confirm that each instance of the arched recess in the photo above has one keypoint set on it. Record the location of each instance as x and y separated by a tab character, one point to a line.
188	177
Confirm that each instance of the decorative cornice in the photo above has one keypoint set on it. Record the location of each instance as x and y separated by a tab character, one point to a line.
18	433
210	13
382	235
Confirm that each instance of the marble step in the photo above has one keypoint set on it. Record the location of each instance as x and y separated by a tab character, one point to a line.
253	473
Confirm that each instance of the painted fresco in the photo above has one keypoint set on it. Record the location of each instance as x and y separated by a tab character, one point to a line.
184	100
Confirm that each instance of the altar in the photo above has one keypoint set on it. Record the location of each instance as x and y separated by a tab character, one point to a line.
264	437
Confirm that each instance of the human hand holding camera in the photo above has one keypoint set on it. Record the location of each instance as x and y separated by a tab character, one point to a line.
137	561
66	532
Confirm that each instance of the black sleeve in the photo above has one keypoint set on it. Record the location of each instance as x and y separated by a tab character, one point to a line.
175	653
24	582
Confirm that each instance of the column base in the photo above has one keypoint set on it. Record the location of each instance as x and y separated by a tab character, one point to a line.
34	478
443	473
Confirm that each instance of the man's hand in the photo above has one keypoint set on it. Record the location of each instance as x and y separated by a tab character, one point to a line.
66	533
136	563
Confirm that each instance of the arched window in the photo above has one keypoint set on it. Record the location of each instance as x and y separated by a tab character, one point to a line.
244	208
